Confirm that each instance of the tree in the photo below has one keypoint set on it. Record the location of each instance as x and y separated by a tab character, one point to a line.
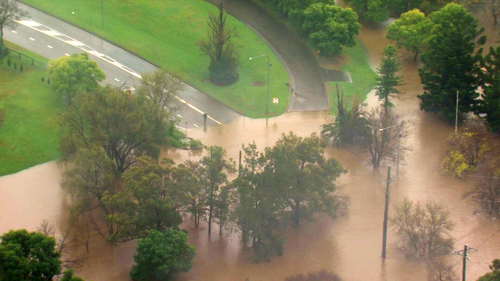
28	256
9	14
350	126
410	31
491	76
74	74
382	138
494	6
467	148
451	63
68	276
330	28
397	8
220	49
494	275
89	179
150	200
258	205
304	176
423	230
161	88
387	79
189	178
372	10
214	171
321	275
161	255
123	125
440	270
486	194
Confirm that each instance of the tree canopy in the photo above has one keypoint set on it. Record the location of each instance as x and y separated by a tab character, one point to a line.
410	31
74	74
494	275
28	256
9	14
330	28
161	255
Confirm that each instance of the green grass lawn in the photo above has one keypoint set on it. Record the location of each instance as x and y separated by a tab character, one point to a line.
29	132
166	31
363	78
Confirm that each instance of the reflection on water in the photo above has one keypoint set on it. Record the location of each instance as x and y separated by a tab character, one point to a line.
349	246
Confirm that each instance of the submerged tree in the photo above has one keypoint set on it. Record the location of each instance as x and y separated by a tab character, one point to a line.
386	130
423	230
161	255
304	176
350	126
387	79
220	49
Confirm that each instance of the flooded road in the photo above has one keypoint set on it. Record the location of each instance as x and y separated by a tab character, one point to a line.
349	246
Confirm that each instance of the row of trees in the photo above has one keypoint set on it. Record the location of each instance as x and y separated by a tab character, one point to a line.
328	28
451	47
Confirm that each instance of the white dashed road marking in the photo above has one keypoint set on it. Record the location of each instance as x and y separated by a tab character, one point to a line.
71	41
179	115
117	80
66	54
195	125
32	39
14	31
50	47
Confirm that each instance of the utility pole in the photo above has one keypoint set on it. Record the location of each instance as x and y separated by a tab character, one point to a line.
465	253
456	116
211	196
386	211
465	258
239	165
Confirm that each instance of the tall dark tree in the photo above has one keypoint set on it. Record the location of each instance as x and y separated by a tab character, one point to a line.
387	79
219	47
451	61
491	75
28	256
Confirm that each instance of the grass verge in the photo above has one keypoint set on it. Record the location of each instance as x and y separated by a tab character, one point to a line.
29	132
363	78
166	31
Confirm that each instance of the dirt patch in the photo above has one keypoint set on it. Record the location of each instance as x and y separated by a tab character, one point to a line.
334	63
6	94
258	83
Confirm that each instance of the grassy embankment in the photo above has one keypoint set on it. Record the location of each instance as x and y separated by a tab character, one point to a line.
29	132
363	77
166	31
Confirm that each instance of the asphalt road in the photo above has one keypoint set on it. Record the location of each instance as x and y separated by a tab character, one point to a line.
301	64
53	38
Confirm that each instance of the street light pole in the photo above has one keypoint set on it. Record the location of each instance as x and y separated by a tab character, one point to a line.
268	79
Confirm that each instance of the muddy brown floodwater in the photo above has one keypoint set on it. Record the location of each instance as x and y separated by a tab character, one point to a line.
349	246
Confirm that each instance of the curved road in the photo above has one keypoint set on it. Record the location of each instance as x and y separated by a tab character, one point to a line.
53	38
303	67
